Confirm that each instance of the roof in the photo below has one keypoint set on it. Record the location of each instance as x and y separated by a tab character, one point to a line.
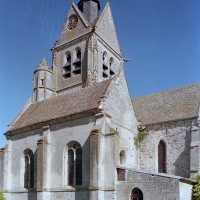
43	65
176	104
97	1
80	101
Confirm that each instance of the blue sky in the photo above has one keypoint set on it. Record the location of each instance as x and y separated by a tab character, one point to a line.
162	39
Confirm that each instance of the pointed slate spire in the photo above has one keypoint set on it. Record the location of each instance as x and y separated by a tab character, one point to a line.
43	64
43	84
90	8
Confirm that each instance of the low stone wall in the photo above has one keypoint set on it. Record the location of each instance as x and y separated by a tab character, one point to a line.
153	186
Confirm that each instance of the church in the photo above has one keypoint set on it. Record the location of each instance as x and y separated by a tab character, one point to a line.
82	137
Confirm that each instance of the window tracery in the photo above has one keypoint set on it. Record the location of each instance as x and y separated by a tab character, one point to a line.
74	164
28	169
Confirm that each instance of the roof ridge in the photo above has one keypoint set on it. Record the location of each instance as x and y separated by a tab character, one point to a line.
171	105
74	91
166	91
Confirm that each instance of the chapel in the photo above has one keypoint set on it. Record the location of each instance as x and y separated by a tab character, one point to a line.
81	136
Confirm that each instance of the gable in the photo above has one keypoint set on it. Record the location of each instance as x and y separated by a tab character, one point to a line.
105	28
74	26
118	104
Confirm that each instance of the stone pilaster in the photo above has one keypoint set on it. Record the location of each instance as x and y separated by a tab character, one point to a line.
1	168
195	150
43	165
7	166
109	160
102	165
94	159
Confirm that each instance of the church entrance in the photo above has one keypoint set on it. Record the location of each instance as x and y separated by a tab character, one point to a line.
136	194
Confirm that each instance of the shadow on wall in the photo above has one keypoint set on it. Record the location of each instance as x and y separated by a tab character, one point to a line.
182	163
82	195
32	195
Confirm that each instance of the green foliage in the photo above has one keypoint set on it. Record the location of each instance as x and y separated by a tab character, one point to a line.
140	137
196	188
1	196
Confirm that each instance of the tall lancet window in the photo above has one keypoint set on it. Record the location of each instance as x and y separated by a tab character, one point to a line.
67	66
161	157
28	169
105	66
111	63
77	62
74	164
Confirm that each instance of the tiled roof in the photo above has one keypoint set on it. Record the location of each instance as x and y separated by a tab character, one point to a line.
85	99
175	104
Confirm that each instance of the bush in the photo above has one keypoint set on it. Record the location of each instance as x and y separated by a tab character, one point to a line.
196	188
140	137
1	196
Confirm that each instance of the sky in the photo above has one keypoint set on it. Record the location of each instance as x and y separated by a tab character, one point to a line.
160	37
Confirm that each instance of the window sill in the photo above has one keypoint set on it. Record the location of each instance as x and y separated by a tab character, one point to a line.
74	188
69	188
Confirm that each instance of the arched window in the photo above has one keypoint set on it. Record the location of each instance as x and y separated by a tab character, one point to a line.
67	66
122	156
111	63
161	157
136	194
105	65
104	57
28	169
77	62
74	164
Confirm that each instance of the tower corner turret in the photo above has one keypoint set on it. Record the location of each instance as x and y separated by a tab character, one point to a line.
43	84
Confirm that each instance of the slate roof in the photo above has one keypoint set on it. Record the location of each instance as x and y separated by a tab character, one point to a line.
175	104
43	64
83	100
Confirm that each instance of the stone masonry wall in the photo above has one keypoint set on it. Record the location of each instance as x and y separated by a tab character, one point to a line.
177	137
195	148
117	104
152	187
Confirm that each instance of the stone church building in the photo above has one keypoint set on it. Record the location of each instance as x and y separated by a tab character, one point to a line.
82	137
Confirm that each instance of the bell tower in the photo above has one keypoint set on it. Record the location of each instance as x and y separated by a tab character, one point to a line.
87	50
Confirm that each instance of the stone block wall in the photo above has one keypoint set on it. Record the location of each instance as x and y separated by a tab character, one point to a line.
177	137
153	187
122	118
195	149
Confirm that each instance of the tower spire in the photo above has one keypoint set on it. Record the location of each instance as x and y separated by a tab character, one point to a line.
90	8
